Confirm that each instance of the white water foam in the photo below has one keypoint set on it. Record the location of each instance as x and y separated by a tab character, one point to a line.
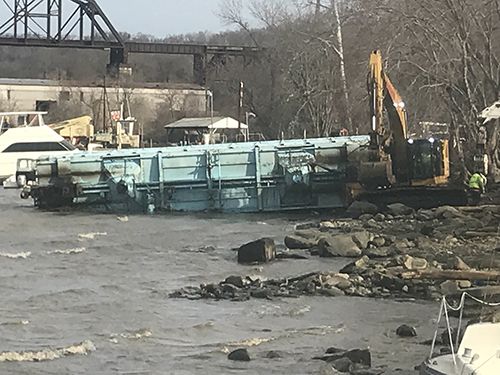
131	335
83	348
76	250
22	255
91	236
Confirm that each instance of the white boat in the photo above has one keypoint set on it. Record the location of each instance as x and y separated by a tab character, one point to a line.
477	354
24	135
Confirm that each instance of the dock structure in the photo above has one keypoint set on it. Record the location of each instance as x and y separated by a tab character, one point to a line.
238	177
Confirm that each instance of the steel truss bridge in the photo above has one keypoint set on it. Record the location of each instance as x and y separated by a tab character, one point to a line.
83	24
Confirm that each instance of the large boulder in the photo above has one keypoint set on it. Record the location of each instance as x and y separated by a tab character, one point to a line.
296	241
260	251
406	331
341	245
239	355
399	209
358	208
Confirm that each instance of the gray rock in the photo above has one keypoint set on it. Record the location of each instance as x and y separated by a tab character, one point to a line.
335	281
378	241
447	212
379	217
235	280
451	287
360	356
459	264
260	251
327	369
379	252
298	242
362	239
372	224
310	234
399	209
359	265
358	208
239	355
341	245
424	215
273	354
411	263
406	331
343	364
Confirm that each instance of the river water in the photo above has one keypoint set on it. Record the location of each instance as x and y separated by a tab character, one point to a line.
67	277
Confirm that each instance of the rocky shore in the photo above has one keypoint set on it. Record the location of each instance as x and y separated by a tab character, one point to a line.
397	253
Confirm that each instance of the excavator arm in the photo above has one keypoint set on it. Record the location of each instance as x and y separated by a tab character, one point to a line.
391	139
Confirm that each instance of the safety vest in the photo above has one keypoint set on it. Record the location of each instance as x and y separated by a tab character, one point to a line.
477	181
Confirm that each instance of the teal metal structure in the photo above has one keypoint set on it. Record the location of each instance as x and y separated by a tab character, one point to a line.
239	177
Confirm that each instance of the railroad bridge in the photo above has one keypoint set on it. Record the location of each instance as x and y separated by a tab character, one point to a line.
83	24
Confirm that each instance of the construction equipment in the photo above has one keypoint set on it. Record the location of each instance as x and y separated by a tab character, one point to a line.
481	159
78	131
399	165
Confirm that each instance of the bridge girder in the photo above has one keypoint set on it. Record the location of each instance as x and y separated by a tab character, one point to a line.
83	24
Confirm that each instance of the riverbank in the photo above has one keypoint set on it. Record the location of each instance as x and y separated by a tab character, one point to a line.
80	277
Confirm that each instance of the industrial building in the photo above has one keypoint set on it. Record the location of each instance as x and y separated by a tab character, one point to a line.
42	95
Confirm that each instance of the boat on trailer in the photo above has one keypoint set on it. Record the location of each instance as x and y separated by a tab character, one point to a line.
478	352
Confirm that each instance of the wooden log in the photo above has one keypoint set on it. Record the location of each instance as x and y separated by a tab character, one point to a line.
452	275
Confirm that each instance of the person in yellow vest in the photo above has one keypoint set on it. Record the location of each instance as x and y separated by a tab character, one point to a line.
477	186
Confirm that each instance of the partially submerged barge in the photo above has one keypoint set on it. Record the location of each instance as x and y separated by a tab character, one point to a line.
242	177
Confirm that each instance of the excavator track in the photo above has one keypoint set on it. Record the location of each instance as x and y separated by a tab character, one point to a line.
417	197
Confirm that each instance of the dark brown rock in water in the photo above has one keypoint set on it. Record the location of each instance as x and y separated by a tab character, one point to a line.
239	355
260	251
406	331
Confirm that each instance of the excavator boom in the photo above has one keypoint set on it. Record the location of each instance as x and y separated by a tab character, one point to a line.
391	139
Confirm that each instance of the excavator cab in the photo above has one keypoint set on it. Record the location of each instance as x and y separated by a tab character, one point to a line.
427	161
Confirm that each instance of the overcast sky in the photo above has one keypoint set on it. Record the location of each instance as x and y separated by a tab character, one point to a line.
163	17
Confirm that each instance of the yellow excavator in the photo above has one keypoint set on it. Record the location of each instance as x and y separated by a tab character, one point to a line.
399	167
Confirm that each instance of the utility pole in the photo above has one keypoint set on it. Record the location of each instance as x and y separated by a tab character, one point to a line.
240	103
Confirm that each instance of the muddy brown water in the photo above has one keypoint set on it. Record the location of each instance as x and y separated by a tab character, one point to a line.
111	288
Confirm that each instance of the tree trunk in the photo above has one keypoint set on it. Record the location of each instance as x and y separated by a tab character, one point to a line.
343	76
